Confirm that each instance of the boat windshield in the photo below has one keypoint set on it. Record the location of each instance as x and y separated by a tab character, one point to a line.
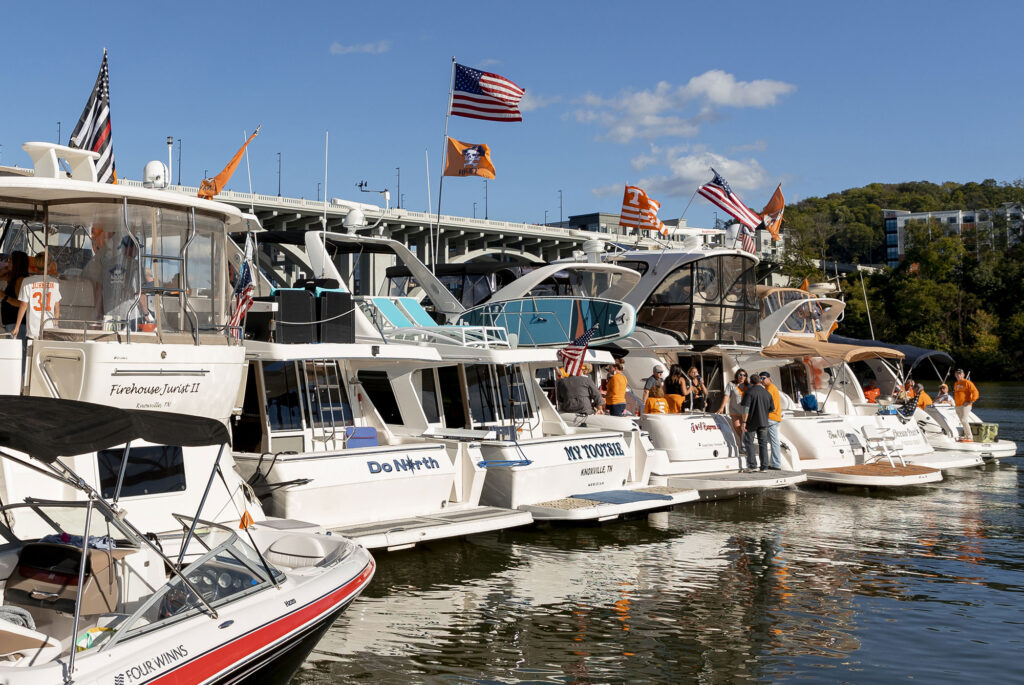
804	319
708	301
227	570
114	263
37	519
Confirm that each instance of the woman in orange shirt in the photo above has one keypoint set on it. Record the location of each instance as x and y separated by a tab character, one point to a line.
656	403
615	389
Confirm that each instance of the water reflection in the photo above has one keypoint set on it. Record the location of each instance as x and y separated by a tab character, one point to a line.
815	584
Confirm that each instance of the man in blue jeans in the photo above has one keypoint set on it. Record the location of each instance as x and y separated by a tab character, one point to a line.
774	419
757	404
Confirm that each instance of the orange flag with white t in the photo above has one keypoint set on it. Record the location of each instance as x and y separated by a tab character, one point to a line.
640	211
771	215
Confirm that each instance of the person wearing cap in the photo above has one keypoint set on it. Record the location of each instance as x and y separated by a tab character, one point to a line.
657	377
757	404
774	419
578	394
965	394
943	397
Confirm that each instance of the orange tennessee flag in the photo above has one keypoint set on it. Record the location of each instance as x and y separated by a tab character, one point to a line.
212	186
772	213
469	159
246	520
640	211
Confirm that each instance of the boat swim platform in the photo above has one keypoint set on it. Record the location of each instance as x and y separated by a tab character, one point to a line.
723	484
946	460
398	534
609	504
989	451
877	474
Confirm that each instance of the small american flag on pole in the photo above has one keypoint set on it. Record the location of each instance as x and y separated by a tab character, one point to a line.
244	289
746	237
640	211
482	95
572	355
718	192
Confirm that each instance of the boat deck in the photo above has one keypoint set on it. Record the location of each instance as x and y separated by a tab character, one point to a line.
878	474
404	533
610	504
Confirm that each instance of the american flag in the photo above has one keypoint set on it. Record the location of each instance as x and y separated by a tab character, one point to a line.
572	355
482	95
640	211
746	237
93	129
718	192
244	289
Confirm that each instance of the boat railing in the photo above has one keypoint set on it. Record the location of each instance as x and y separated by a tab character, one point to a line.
404	320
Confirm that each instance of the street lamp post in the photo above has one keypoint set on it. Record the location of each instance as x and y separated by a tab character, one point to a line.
399	192
545	217
474	210
279	174
318	191
179	161
486	213
58	133
559	207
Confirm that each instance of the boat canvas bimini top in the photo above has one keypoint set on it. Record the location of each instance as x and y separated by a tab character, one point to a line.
88	597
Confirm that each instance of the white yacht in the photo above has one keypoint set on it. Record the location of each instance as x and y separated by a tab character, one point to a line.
939	422
508	448
332	428
88	597
144	285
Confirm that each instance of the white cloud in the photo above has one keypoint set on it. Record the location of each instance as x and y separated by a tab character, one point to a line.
756	146
489	62
532	102
676	111
689	168
605	191
378	48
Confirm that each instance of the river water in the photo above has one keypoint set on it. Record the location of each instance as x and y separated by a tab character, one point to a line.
806	583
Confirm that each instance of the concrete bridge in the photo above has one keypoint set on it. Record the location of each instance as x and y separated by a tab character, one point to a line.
460	239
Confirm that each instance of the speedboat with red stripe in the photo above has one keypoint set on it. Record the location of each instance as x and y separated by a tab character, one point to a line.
88	598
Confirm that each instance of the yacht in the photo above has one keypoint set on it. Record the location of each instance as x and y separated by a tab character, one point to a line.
144	280
88	597
508	449
939	422
332	428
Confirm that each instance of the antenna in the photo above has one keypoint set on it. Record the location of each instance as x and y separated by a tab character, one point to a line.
248	171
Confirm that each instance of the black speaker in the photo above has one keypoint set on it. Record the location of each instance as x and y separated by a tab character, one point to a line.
337	322
258	319
296	316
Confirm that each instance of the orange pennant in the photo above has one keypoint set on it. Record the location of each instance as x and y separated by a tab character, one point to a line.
212	186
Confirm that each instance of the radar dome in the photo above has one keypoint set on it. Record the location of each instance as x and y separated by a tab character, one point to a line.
354	219
156	175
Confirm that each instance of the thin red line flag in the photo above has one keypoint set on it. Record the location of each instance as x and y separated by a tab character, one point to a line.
93	129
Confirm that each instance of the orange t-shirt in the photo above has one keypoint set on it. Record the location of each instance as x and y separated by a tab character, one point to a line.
923	400
656	405
675	403
775	414
965	392
615	389
871	394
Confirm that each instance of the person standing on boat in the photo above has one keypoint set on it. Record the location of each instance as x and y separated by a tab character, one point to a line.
656	402
923	400
732	400
615	389
871	391
655	379
578	394
757	404
676	389
965	394
39	301
113	272
16	271
698	391
774	419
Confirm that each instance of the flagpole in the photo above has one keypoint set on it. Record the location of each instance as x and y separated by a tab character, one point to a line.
426	157
248	171
444	153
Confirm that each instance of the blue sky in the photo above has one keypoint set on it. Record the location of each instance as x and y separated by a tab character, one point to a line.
819	96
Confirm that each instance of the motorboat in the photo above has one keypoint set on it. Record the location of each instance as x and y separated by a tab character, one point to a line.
507	444
331	428
88	597
938	422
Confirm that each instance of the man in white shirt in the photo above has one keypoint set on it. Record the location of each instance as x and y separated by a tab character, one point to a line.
38	302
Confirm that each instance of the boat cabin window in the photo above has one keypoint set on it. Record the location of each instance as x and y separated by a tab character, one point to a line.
150	470
426	381
794	378
115	273
805	319
452	400
284	408
378	388
711	300
247	432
